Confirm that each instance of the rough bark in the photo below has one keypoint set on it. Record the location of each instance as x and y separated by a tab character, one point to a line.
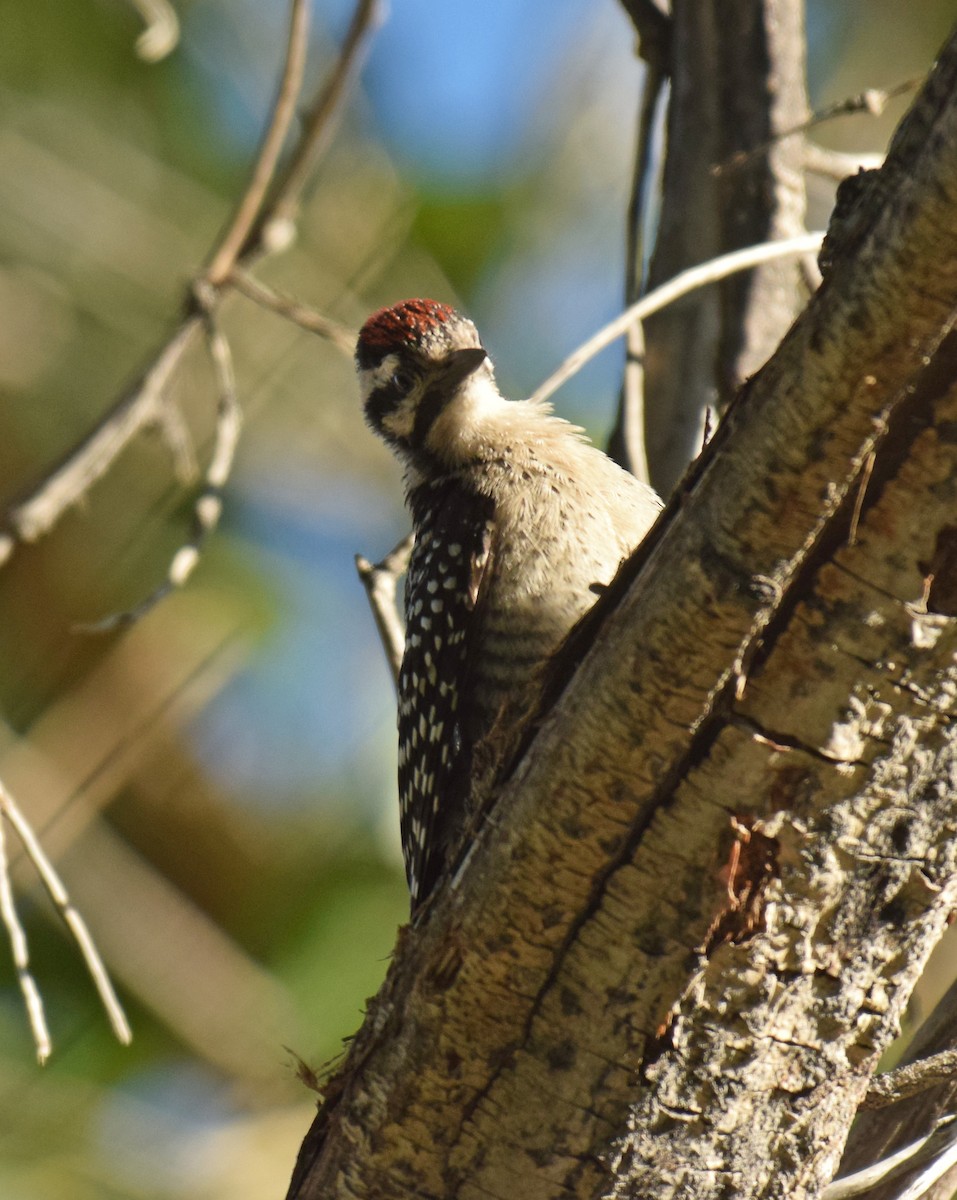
737	80
675	953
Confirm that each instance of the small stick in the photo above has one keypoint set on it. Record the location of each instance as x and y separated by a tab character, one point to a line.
629	439
911	1080
70	915
320	121
341	336
940	1158
283	112
871	100
674	289
864	480
838	164
209	504
380	581
32	1000
68	483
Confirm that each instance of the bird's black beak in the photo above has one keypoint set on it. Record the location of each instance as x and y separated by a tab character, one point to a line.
460	364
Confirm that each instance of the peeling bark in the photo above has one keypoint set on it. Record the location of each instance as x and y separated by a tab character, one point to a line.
678	947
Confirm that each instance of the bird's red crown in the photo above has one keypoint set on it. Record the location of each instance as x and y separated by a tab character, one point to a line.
403	324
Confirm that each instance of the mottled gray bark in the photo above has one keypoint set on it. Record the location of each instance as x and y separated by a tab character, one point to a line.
678	948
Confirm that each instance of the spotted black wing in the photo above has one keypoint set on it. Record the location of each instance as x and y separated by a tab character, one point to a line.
450	557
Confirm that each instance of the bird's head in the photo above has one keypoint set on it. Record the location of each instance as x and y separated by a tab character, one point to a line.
416	360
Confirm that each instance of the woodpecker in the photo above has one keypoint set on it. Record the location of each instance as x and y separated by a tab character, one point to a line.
519	522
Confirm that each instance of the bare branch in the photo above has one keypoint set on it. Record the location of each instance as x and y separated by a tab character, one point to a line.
627	442
681	285
936	1154
380	582
911	1080
175	433
71	917
161	35
318	127
341	336
36	515
209	503
872	101
32	1000
838	164
284	109
94	456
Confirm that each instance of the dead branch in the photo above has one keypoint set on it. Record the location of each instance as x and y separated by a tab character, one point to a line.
341	336
19	948
209	504
912	1079
688	281
872	101
627	441
380	582
319	124
10	811
283	111
36	514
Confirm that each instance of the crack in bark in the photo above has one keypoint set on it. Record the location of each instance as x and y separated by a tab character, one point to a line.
778	740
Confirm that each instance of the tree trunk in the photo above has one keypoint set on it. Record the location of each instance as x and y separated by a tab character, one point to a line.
737	81
676	951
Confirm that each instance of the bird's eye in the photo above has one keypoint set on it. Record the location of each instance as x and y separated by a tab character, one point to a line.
404	381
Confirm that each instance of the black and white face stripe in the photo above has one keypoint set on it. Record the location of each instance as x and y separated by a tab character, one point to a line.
390	403
404	393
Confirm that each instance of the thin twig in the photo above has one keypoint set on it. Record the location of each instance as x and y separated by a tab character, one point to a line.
209	504
283	111
319	125
866	472
380	582
175	433
911	1080
872	101
674	289
161	35
341	336
642	180
70	915
630	446
19	949
938	1148
37	514
627	444
837	164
